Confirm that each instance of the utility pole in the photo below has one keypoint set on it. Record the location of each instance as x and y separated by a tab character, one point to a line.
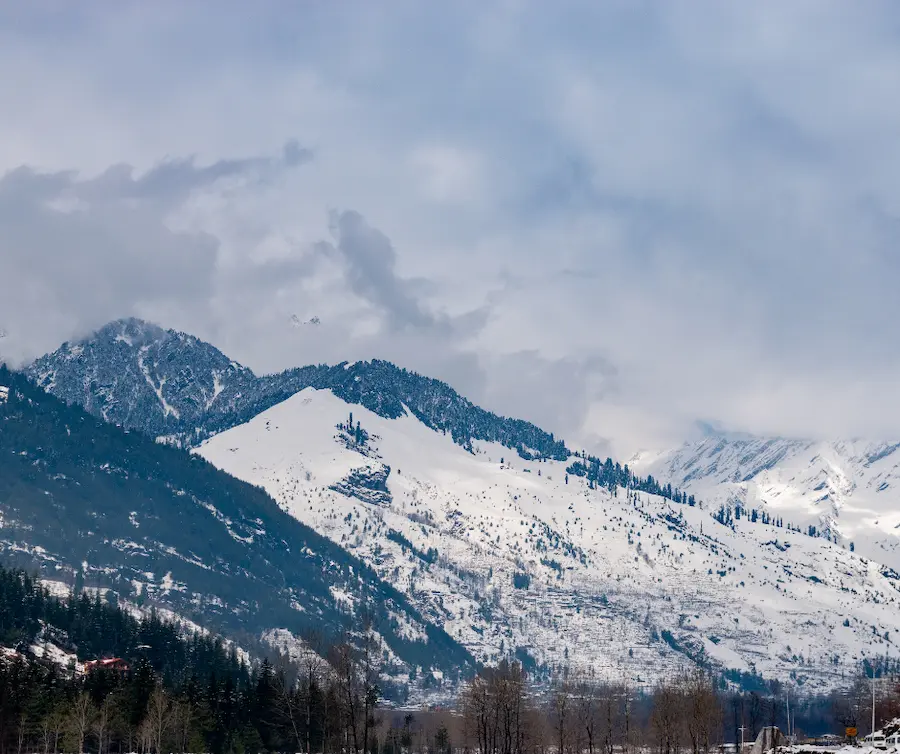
787	703
742	729
873	704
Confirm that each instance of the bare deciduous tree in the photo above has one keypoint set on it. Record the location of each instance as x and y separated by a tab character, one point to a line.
702	709
22	730
312	674
102	721
182	718
755	713
495	710
561	715
158	719
588	715
356	674
80	719
667	717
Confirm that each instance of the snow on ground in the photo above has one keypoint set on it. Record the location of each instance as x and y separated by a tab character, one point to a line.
841	748
186	625
509	554
291	646
848	490
57	588
56	655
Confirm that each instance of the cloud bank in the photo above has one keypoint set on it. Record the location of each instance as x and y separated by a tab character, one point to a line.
614	219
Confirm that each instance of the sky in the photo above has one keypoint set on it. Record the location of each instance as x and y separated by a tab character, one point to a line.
618	220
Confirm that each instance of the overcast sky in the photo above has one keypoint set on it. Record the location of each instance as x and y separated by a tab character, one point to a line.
615	219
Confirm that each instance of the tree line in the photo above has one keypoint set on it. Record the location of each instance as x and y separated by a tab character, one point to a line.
173	690
612	475
578	716
693	711
179	691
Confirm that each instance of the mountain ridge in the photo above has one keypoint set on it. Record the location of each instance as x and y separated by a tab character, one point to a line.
846	489
174	386
590	573
492	528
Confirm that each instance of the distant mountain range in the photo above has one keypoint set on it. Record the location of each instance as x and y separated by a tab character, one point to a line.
480	536
846	490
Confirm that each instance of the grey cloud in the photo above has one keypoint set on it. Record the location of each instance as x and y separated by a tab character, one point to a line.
371	261
720	181
65	271
554	393
173	180
270	273
76	253
293	154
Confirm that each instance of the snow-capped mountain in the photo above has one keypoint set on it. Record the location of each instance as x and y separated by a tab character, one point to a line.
490	527
174	386
516	556
846	490
84	501
138	375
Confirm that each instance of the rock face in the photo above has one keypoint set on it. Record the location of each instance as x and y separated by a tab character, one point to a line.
367	484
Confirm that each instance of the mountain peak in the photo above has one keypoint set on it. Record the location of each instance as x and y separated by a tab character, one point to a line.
174	386
136	374
130	330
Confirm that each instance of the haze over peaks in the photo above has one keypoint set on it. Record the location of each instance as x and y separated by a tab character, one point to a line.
448	502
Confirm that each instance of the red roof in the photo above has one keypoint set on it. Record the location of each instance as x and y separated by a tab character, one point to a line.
113	663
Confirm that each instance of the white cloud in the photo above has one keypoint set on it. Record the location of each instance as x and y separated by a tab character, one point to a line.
612	218
448	174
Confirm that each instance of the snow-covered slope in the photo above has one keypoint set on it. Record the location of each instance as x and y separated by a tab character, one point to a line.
848	490
118	512
176	387
516	556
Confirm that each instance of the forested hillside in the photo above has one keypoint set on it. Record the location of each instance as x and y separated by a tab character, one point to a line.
172	690
82	499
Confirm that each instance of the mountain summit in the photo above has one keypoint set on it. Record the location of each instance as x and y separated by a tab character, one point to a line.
174	386
140	376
